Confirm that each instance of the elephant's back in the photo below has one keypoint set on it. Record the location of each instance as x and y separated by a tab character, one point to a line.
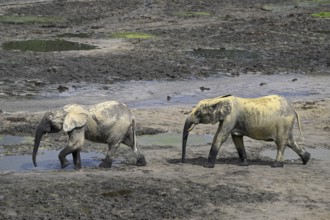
110	110
266	103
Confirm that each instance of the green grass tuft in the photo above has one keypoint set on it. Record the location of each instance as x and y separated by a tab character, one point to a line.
131	35
323	14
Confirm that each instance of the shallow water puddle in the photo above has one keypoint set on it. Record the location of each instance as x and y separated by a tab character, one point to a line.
46	160
9	140
46	45
319	154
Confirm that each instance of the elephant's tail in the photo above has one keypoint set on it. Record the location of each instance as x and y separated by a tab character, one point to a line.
134	133
299	126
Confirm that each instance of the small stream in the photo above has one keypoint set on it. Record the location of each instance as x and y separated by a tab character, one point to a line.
47	159
26	96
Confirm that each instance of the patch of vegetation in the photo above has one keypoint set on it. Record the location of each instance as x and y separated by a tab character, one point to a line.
192	14
30	20
46	45
131	35
324	14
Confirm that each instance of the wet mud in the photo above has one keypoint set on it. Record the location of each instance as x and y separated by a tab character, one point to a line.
161	60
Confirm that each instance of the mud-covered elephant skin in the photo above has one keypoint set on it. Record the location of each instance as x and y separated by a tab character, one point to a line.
268	118
108	122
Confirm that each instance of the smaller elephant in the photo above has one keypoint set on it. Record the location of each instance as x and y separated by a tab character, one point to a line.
268	118
109	122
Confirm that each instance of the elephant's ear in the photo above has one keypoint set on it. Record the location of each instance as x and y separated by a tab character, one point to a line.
223	109
74	120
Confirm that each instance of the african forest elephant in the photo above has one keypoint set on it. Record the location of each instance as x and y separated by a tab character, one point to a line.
108	122
268	118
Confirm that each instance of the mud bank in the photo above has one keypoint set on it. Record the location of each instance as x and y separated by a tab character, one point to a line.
166	188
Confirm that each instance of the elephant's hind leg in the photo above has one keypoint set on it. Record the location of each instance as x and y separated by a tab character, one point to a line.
107	162
131	142
304	155
238	141
281	144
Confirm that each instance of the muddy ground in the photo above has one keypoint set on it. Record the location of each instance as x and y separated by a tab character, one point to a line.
282	36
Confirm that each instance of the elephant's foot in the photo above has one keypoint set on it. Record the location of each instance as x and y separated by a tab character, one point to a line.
209	164
105	164
278	164
77	167
305	157
64	163
244	163
141	161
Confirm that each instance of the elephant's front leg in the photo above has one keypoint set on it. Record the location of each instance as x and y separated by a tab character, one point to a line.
238	141
76	159
219	138
62	157
76	140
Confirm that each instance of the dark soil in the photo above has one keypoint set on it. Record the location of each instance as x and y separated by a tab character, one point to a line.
285	39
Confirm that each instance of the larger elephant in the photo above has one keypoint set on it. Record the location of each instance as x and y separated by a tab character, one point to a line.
268	118
108	122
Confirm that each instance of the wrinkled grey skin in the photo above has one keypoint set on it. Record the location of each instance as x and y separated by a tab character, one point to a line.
268	118
108	122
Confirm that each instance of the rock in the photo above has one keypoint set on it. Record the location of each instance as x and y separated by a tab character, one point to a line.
62	88
202	88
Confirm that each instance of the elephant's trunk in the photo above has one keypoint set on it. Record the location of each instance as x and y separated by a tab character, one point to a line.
39	133
187	127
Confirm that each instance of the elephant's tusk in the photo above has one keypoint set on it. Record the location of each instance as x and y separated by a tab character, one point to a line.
191	128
